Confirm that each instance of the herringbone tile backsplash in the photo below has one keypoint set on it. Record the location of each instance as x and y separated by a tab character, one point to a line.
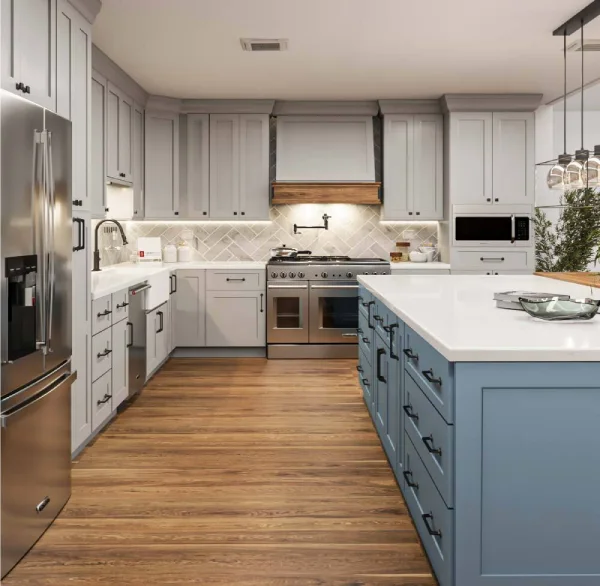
353	230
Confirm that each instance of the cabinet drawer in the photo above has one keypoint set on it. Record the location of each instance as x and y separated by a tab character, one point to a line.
365	336
365	303
433	373
101	400
101	353
432	436
492	260
429	514
120	306
235	280
101	314
381	317
365	378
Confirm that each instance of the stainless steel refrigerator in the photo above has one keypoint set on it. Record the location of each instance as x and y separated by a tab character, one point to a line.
35	246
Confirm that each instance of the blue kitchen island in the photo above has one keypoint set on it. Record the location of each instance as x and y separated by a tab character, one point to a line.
491	422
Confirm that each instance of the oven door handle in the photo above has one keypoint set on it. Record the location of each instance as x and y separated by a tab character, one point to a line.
334	286
287	286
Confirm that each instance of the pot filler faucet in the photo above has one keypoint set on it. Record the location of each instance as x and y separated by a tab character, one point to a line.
96	251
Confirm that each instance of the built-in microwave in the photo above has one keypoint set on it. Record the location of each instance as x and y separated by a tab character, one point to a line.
492	229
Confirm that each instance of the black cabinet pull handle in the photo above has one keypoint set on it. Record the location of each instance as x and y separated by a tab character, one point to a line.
105	353
242	280
122	305
377	318
360	368
20	86
428	441
105	313
130	325
175	282
410	413
366	340
27	89
428	374
171	290
80	234
391	329
105	399
365	382
261	302
360	298
359	330
162	323
430	529
368	303
409	353
492	258
380	353
407	474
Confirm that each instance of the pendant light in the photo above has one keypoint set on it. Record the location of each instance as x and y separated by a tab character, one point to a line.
557	174
593	168
576	170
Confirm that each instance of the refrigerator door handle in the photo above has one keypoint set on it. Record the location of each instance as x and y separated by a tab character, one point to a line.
39	204
51	237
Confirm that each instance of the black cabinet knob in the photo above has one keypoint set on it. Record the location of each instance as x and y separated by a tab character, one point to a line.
204	213
418	213
410	213
235	213
20	86
176	213
489	199
27	89
106	209
243	213
496	200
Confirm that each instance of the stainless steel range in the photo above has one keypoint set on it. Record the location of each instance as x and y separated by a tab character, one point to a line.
312	305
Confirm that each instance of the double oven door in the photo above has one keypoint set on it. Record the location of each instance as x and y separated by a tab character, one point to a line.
303	312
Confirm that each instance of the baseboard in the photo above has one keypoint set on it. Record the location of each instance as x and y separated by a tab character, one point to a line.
92	437
220	352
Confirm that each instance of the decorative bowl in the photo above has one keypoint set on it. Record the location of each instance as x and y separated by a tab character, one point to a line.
556	309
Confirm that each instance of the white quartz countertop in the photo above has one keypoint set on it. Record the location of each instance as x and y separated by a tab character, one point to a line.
418	266
124	275
458	316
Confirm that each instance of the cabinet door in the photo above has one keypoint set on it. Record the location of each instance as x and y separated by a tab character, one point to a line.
11	73
235	318
471	158
161	182
428	167
151	342
138	162
113	102
397	167
514	151
81	412
254	167
164	327
125	138
190	301
120	363
198	195
224	166
381	379
98	169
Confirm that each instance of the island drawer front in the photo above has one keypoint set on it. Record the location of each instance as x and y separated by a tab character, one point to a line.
365	378
494	260
432	372
365	335
101	353
381	317
101	400
428	432
101	314
365	303
235	280
120	306
424	499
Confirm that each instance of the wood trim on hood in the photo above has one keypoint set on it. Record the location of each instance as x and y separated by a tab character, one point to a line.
355	193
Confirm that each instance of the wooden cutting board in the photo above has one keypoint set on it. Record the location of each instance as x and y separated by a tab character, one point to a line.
588	279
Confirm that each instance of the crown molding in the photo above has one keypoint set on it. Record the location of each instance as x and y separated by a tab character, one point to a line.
227	106
325	108
89	9
164	104
490	102
410	107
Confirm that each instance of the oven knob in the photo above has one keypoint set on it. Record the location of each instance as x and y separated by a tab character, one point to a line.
324	275
274	275
292	275
283	275
349	275
301	275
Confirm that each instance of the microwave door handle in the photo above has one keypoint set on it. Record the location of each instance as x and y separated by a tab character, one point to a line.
513	234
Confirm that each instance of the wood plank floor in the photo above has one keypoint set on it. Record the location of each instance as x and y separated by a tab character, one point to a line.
242	472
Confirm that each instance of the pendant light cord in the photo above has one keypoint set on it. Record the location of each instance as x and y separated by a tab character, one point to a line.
582	78
565	94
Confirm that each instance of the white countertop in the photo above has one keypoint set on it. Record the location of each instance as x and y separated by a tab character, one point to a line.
457	315
124	275
417	266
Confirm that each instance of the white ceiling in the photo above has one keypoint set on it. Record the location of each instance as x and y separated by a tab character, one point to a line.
342	49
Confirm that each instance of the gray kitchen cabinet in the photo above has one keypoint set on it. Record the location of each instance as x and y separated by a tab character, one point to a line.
138	162
101	396
239	166
73	79
190	317
120	363
413	167
151	351
161	165
157	325
98	145
198	194
29	50
119	131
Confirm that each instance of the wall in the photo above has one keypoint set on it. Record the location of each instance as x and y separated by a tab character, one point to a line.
353	231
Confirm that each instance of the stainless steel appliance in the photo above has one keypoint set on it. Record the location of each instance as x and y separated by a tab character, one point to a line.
312	305
36	377
137	337
507	227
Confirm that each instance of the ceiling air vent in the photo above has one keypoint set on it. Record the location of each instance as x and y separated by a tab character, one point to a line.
588	45
264	44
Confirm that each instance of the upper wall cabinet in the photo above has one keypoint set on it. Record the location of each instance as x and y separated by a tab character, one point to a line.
138	162
413	167
98	149
119	135
161	182
492	158
239	167
198	195
325	148
29	50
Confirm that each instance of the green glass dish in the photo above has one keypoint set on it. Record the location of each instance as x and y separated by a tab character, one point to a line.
556	309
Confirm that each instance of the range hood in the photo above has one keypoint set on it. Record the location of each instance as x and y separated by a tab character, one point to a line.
367	193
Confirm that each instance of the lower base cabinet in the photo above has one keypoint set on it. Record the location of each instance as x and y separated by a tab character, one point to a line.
157	343
120	363
101	400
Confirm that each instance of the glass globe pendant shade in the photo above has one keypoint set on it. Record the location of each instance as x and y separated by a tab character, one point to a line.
557	174
576	177
592	168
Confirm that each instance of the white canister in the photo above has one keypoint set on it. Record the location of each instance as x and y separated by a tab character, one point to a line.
184	252
170	253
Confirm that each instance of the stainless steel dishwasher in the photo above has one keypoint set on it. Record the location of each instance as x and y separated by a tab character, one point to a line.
137	337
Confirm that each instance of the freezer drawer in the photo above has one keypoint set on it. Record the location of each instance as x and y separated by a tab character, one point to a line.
36	467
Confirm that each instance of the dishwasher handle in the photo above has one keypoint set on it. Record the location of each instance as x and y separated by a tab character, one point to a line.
139	289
